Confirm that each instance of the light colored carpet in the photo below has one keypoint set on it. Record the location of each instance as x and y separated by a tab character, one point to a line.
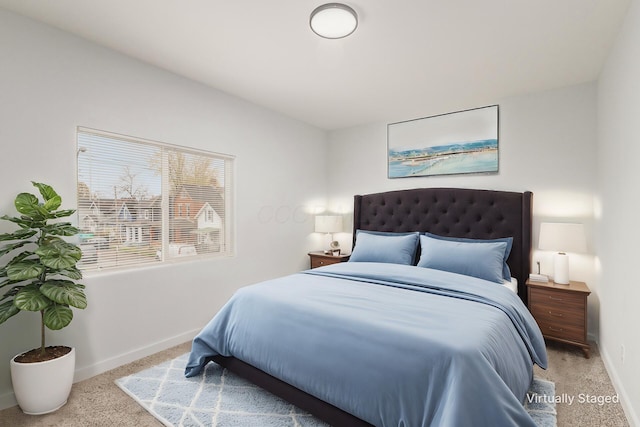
98	401
575	375
218	397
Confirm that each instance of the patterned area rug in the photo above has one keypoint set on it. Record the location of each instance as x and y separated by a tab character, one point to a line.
219	398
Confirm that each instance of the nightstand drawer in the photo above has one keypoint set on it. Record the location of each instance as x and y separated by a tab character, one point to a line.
320	259
561	330
568	302
319	262
557	315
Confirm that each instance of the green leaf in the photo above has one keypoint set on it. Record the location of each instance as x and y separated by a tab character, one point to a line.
11	292
7	309
64	292
42	213
71	273
58	254
16	259
9	282
52	204
30	222
63	213
18	235
8	248
25	270
47	192
57	316
31	299
24	222
27	204
61	229
22	255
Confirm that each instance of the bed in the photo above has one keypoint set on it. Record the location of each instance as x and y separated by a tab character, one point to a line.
379	342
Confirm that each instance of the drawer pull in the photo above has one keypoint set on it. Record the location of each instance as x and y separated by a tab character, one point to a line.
555	299
556	329
556	314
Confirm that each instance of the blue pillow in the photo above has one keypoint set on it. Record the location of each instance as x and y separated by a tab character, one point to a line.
482	260
394	248
506	272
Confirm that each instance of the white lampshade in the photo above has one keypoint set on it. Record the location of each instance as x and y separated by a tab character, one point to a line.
333	20
562	238
328	224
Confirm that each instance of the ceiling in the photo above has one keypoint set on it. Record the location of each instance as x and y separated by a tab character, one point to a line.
407	59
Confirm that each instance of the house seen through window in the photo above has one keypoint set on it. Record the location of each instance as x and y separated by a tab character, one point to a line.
144	202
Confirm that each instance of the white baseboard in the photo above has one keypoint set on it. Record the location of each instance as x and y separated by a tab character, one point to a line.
8	400
86	372
629	410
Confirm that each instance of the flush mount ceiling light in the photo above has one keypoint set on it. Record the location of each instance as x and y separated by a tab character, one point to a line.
333	20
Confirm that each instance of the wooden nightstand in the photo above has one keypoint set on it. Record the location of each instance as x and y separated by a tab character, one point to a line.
561	311
319	259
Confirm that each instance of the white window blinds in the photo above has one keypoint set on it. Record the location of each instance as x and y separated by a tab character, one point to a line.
142	202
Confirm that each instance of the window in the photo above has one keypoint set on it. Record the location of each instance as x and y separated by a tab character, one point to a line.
144	202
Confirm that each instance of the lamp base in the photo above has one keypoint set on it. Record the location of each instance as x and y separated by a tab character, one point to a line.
561	268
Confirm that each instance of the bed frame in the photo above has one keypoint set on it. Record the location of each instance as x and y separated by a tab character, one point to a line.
454	212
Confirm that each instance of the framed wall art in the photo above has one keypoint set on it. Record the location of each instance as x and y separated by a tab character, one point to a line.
453	143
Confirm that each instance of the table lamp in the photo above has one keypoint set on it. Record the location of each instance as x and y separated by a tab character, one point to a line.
329	224
562	238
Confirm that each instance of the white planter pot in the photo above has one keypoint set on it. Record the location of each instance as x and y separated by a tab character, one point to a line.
43	387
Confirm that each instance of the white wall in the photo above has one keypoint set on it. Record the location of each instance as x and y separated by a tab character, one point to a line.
51	82
547	145
617	220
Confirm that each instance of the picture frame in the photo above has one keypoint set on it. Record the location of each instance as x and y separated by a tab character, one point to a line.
461	142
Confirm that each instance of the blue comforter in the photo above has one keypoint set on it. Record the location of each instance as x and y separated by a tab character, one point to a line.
394	345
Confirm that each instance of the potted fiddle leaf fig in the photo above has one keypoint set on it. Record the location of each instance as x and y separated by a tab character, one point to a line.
40	276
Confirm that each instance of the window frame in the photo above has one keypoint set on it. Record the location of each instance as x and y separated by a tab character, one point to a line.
228	195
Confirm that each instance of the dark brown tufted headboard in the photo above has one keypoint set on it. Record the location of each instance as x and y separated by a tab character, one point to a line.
455	212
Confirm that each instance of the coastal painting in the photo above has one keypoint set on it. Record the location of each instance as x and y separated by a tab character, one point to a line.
446	144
